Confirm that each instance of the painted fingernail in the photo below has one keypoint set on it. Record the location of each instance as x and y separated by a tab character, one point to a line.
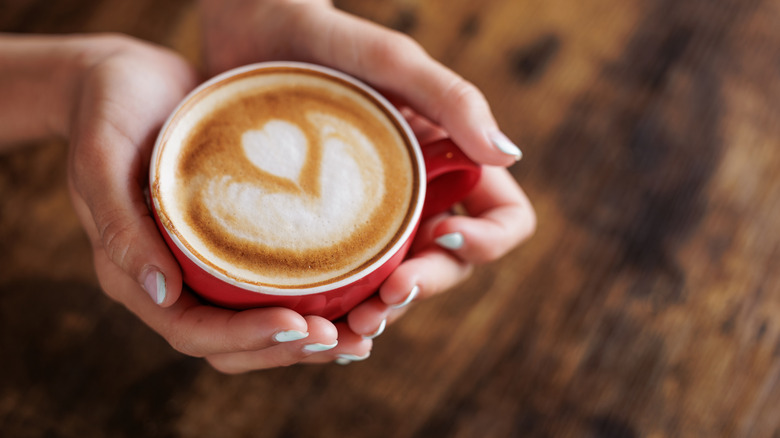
378	331
451	241
315	348
409	298
505	145
346	359
154	284
290	336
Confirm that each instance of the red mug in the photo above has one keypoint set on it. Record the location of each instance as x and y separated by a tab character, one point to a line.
449	175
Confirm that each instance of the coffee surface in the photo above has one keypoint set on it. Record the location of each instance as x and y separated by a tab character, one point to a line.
287	179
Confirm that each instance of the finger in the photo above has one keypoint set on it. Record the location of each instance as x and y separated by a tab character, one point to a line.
426	274
396	64
128	234
503	218
352	348
369	318
110	151
425	236
202	330
110	272
322	334
425	131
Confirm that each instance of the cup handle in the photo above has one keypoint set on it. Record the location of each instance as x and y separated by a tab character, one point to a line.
450	175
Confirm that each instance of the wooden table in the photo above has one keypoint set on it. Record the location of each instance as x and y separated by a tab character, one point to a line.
647	304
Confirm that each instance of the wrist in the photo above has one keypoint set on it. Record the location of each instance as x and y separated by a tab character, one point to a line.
39	82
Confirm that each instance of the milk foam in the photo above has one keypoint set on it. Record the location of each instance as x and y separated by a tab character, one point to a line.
285	180
302	221
278	148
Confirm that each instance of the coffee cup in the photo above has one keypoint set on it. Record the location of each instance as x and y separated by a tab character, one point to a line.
295	185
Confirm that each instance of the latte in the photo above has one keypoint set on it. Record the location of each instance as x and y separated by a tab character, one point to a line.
285	178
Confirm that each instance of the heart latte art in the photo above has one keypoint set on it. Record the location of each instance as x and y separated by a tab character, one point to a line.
306	212
286	179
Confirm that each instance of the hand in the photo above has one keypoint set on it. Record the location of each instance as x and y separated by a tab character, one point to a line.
127	90
435	100
447	246
239	32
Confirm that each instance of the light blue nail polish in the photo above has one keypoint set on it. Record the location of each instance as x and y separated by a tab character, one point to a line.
409	298
162	290
378	331
316	348
290	336
154	283
505	145
345	359
452	241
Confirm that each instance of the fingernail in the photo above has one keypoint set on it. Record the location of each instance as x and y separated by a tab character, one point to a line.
290	335
378	331
409	298
315	348
451	241
346	359
505	145
154	284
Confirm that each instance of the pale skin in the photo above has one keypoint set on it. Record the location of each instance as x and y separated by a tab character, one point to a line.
109	95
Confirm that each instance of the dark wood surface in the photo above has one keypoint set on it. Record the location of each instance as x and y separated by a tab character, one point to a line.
647	304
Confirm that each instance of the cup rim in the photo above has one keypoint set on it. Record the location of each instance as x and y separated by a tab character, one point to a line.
265	289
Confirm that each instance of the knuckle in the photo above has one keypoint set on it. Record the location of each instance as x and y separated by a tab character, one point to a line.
487	249
223	366
490	253
230	364
102	47
117	233
457	95
391	53
246	343
461	93
284	360
183	345
403	43
114	44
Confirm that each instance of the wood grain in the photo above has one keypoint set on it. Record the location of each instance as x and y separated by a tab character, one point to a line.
647	304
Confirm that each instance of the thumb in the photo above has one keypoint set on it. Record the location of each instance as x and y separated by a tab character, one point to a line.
132	241
399	66
119	223
108	173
